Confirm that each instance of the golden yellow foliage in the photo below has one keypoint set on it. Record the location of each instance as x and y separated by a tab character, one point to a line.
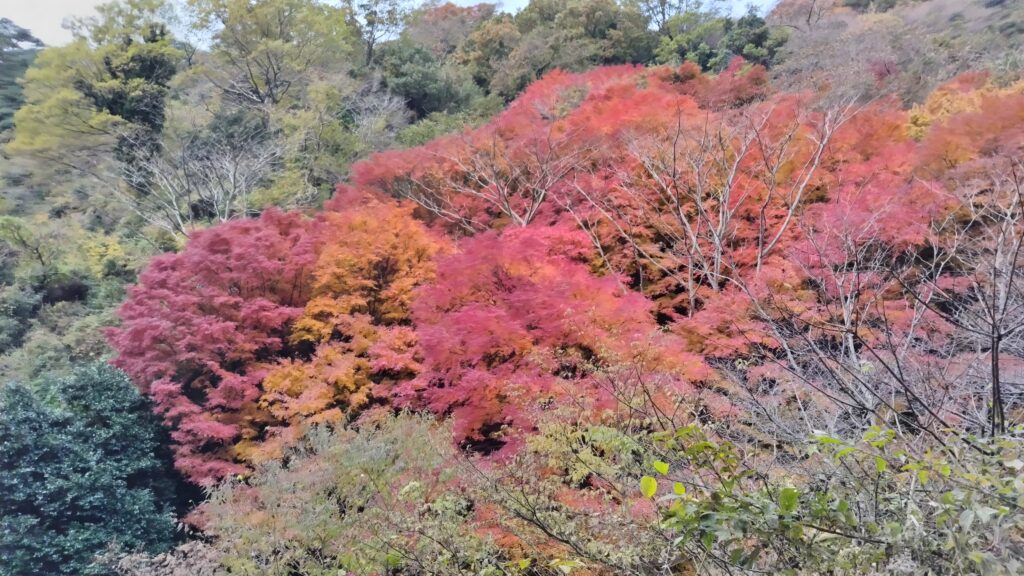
374	260
103	253
962	94
371	261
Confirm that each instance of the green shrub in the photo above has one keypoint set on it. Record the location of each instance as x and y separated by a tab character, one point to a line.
17	305
380	499
877	504
79	476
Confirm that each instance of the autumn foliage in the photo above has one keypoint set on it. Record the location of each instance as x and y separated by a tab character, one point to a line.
518	322
691	245
200	326
261	325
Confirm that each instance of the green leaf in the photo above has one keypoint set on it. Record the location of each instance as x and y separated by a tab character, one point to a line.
661	467
828	440
678	488
796	532
844	452
788	499
648	486
880	464
566	566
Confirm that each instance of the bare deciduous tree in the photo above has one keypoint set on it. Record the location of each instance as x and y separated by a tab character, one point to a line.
690	183
513	179
982	292
201	178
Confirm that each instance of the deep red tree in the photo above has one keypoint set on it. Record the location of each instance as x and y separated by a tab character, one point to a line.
518	322
199	327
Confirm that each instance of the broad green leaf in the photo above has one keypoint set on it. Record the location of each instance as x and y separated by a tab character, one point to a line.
678	488
880	464
661	467
828	440
648	486
566	566
788	499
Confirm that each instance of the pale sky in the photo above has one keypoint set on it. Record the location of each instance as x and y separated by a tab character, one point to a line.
44	17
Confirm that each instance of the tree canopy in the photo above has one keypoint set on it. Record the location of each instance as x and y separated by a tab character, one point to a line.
599	287
81	471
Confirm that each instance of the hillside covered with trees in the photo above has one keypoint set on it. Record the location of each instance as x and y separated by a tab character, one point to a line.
596	287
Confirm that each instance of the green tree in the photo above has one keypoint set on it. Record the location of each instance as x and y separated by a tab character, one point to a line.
694	36
116	20
661	12
379	20
380	498
612	33
287	66
751	37
711	40
878	504
100	97
266	52
18	47
80	473
426	84
17	305
134	89
59	282
507	54
487	47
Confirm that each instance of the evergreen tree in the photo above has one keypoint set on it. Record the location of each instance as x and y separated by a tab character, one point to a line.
81	476
18	49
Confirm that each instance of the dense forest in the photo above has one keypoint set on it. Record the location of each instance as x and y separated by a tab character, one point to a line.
642	287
